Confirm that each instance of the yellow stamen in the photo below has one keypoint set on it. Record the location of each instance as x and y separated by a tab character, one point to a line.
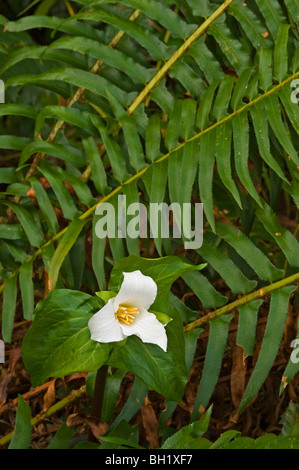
126	314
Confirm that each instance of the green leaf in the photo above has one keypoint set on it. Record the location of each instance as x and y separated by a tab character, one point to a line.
220	108
291	110
40	21
186	437
9	307
240	89
272	14
28	223
155	180
231	47
98	173
58	342
27	289
227	269
165	16
153	137
265	69
283	237
112	389
164	271
205	175
12	232
73	116
281	53
203	115
64	152
162	317
132	405
16	109
66	201
272	338
13	142
114	151
206	61
45	205
106	295
251	254
8	175
121	442
292	367
173	128
262	136
241	147
213	360
62	438
156	47
188	118
164	372
22	433
204	290
273	109
289	421
181	175
130	131
247	326
97	254
64	246
108	55
250	23
241	443
191	81
224	439
74	76
223	159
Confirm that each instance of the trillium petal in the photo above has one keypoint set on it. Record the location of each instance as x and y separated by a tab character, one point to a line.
147	328
137	290
103	325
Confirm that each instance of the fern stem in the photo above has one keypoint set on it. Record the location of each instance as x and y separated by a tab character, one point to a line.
230	116
162	72
141	172
258	294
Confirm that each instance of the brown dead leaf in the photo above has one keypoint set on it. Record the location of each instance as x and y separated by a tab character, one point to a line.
14	356
3	388
97	427
150	424
50	395
238	374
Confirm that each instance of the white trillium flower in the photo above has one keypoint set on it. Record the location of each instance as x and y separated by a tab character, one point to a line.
127	313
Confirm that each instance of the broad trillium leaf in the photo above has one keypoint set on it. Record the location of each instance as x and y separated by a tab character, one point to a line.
58	343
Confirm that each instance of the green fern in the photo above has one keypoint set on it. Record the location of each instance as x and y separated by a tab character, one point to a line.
173	104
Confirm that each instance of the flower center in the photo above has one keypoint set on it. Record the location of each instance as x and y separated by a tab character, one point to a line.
126	314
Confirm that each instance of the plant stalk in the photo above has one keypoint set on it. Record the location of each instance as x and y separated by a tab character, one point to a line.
98	397
258	294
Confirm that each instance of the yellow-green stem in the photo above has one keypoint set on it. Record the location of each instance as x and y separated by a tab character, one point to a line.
74	395
258	294
162	72
144	170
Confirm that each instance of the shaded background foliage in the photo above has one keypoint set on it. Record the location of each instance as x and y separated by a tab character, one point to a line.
103	99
